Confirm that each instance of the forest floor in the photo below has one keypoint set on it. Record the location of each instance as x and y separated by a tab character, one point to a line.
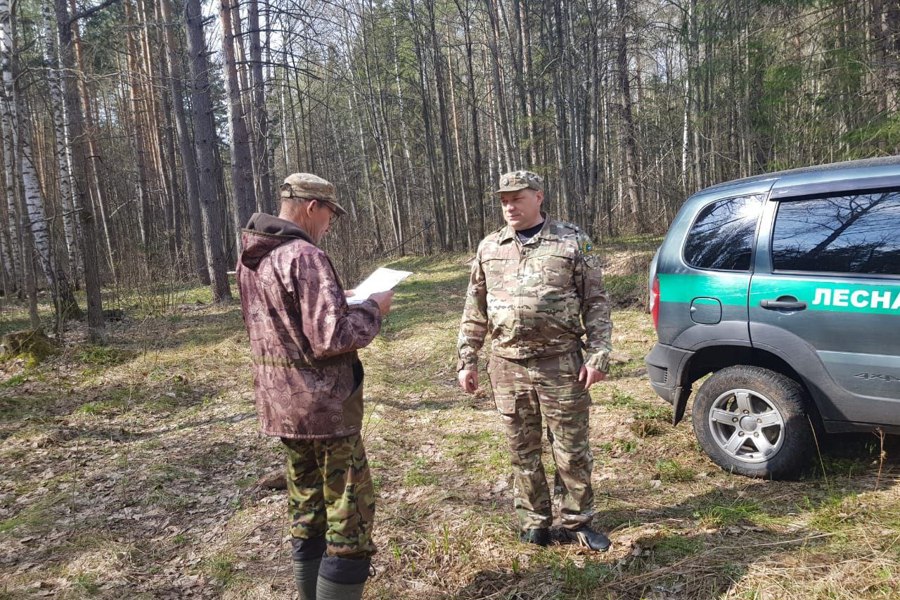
129	470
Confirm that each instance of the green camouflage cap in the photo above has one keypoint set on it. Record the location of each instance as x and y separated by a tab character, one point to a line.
306	186
519	180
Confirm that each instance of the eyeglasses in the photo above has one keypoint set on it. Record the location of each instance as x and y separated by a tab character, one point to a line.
334	213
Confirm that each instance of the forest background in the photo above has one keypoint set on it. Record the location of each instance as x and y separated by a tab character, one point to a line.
139	135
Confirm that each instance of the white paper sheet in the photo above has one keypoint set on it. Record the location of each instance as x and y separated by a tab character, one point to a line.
381	280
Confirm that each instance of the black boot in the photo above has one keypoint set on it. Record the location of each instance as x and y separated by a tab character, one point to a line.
538	535
588	538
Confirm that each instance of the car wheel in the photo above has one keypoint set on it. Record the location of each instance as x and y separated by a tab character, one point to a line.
753	421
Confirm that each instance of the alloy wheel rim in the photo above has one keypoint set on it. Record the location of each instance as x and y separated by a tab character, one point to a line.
746	425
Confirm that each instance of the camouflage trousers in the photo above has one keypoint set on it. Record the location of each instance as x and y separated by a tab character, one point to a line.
330	495
525	392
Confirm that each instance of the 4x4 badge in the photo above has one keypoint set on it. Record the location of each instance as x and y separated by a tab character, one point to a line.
878	376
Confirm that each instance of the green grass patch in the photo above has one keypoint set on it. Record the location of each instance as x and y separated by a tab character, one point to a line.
626	446
671	470
15	380
576	579
114	401
418	473
483	452
221	569
434	294
103	356
837	466
644	428
86	583
42	512
724	515
836	512
657	412
620	399
649	419
676	547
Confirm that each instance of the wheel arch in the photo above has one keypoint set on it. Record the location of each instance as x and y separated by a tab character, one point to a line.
715	358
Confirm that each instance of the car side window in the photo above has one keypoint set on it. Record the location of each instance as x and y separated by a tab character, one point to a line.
857	234
722	235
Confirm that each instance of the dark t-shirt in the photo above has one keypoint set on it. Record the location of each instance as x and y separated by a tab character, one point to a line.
526	234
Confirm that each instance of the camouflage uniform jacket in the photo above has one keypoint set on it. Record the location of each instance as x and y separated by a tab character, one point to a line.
303	335
538	299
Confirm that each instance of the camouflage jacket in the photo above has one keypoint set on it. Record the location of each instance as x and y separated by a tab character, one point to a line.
303	335
537	299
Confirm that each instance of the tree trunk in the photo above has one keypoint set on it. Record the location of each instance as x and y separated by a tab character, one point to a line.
627	135
243	196
15	260
493	41
378	121
460	170
89	194
138	134
446	152
438	211
63	296
205	137
185	147
61	131
65	28
266	195
353	105
477	166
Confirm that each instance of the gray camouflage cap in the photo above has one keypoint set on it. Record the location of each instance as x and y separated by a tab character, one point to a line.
519	180
306	186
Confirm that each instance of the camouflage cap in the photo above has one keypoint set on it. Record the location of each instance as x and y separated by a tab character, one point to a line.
306	186
519	180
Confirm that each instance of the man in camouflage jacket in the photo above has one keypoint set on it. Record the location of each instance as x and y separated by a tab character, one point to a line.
308	383
536	290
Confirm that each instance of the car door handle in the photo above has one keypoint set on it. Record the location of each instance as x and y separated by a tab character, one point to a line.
783	305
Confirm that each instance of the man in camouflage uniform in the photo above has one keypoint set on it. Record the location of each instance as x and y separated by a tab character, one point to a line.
308	384
536	288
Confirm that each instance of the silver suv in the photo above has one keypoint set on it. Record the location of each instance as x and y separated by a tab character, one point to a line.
786	289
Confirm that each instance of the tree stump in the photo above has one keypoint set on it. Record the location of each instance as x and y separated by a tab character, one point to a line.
31	343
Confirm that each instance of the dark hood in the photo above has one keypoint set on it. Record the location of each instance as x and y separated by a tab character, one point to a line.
263	234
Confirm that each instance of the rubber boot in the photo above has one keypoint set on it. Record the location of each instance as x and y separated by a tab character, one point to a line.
307	558
306	576
329	590
342	578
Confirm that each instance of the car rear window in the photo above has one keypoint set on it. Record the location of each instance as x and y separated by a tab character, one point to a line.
856	234
722	236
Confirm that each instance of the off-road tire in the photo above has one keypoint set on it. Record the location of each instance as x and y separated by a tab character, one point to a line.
753	421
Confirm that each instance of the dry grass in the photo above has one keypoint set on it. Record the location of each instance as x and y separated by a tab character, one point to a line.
128	472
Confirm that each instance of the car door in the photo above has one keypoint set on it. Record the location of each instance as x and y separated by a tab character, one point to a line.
825	297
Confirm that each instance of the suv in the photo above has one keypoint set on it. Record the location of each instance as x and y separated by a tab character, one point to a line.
786	288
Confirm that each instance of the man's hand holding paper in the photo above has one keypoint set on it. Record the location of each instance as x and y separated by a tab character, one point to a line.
380	282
